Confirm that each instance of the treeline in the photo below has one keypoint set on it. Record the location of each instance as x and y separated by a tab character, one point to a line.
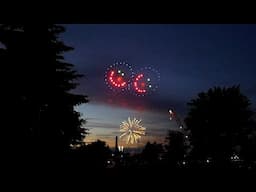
40	122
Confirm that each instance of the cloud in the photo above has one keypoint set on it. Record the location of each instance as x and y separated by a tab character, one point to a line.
115	132
104	135
102	125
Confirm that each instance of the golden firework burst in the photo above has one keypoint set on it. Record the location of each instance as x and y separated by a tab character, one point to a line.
132	129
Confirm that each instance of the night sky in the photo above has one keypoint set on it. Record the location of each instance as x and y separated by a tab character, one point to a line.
190	58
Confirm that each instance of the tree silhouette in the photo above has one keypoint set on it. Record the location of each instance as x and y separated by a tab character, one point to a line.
152	152
218	120
175	147
47	119
94	154
20	116
248	151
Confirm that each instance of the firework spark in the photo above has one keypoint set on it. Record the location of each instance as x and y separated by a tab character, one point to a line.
118	75
132	129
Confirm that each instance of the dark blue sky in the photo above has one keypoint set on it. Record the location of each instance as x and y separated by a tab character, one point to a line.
190	58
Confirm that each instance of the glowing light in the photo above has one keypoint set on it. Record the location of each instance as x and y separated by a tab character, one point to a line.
121	148
136	87
235	158
171	114
147	80
118	76
116	81
119	79
132	129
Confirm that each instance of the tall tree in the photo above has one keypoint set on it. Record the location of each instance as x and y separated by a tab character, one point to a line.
218	120
18	124
42	87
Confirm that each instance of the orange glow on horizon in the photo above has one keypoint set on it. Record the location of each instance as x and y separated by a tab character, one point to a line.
110	141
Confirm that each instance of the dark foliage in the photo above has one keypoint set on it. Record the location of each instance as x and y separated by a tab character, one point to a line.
219	121
44	121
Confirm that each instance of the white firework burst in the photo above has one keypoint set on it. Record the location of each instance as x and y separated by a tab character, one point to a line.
132	129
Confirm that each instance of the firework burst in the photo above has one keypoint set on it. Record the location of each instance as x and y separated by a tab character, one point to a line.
132	130
118	76
146	81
